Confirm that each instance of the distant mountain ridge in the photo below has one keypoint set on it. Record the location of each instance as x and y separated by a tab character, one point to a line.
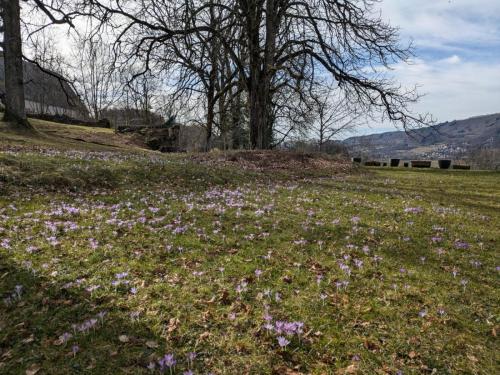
445	140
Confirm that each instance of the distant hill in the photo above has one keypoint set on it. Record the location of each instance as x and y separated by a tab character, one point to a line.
446	140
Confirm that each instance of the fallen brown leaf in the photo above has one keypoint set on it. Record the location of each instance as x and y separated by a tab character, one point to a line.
204	335
152	344
123	338
173	324
33	369
351	369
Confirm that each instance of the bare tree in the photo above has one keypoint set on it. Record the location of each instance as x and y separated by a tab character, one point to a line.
95	76
143	95
10	12
42	52
202	66
280	37
333	116
15	111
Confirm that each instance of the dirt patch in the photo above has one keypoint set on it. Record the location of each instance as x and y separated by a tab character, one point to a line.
262	161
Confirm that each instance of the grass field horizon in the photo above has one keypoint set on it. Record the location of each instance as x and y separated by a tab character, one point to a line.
115	259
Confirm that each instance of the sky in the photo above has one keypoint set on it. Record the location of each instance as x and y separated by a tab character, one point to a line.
457	62
457	56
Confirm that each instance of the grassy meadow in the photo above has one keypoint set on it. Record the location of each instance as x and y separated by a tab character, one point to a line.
121	261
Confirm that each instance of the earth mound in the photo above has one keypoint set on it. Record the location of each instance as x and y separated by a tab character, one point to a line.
262	161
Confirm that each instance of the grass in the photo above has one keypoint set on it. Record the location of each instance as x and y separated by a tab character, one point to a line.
110	260
51	135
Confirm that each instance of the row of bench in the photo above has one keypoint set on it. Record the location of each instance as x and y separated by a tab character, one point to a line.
443	163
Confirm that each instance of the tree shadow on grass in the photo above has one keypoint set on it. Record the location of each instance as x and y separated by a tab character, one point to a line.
34	319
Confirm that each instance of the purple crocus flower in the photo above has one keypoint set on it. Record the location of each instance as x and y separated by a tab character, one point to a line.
191	356
65	337
414	210
94	244
462	245
355	219
18	289
318	279
268	327
101	315
283	342
5	243
167	361
91	288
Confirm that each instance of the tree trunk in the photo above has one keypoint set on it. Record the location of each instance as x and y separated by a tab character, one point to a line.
224	122
262	67
258	115
210	119
211	102
15	111
212	81
259	102
236	118
321	135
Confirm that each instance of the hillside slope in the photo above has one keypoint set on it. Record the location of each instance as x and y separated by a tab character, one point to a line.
51	135
447	139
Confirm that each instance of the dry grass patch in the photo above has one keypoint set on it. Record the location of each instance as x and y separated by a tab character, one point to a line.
262	161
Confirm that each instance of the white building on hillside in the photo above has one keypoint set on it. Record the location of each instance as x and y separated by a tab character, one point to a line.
46	94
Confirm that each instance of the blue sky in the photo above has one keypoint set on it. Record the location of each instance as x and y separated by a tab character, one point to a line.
457	62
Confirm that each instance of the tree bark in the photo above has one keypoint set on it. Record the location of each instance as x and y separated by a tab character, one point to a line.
262	69
259	112
15	111
211	102
210	118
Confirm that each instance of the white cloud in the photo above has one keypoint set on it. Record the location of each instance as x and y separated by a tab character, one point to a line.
458	68
458	54
453	89
440	22
452	60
